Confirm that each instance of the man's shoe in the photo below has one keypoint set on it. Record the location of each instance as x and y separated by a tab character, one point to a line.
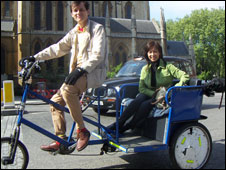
82	139
51	147
54	146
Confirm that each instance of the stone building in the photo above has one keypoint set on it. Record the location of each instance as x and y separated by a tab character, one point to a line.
27	27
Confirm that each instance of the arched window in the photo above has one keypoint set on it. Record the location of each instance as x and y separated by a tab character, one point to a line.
117	59
124	57
48	15
37	47
3	60
7	8
60	65
105	8
37	15
120	55
60	16
128	10
49	63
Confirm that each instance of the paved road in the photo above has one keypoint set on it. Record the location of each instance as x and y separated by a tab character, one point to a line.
90	158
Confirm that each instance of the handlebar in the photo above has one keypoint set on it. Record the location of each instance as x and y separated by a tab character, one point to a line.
25	73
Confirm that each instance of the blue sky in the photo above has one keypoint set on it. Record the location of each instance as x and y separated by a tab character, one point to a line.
179	9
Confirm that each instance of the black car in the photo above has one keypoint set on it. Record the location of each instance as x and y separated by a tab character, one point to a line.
129	73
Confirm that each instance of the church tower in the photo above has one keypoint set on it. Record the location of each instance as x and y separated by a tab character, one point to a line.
163	33
134	33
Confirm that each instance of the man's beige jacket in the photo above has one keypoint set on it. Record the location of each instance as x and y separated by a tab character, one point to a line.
95	60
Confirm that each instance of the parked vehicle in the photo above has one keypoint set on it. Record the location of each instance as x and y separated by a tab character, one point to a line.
130	73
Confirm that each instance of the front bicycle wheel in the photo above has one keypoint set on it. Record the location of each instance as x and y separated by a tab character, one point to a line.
191	147
21	156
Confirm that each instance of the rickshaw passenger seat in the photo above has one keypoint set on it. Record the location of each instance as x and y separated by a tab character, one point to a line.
186	103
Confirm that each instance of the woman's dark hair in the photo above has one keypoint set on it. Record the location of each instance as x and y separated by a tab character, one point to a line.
76	3
150	45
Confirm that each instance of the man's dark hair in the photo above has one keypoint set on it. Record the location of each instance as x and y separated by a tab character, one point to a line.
76	3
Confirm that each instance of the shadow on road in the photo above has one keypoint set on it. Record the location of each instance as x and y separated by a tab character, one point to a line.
211	106
161	159
145	160
217	159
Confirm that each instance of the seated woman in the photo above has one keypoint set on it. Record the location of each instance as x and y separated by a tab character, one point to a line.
155	74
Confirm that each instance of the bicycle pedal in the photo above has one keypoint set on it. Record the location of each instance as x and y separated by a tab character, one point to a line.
106	148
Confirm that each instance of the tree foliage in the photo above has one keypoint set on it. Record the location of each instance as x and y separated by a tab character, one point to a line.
114	70
207	29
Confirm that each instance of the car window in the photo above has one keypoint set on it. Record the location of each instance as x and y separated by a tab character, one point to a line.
175	63
182	65
131	68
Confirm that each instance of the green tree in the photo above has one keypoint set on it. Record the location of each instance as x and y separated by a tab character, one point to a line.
113	70
207	28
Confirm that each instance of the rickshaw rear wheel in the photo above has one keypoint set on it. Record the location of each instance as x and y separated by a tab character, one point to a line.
190	147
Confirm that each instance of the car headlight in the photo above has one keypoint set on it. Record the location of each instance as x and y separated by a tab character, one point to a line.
89	90
111	92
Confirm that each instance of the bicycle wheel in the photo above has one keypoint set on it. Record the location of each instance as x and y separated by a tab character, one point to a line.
190	147
21	155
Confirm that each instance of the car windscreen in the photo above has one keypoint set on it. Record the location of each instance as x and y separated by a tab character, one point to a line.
182	65
131	68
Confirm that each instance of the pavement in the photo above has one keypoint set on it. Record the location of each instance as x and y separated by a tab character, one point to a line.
7	111
9	115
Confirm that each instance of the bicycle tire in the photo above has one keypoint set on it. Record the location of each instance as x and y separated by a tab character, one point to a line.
21	156
190	147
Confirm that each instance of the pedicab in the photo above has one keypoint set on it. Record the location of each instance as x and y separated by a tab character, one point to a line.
178	130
